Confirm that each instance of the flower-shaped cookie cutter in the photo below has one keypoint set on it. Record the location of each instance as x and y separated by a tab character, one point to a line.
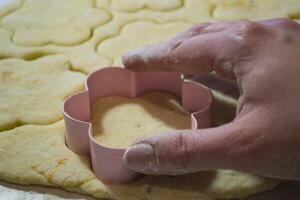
107	163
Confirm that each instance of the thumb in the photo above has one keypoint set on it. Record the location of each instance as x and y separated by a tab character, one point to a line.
231	146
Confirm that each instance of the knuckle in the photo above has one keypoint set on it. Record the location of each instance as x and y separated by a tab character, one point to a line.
245	34
248	34
251	28
198	28
181	150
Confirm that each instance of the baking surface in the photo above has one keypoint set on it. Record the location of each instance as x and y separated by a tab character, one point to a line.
91	34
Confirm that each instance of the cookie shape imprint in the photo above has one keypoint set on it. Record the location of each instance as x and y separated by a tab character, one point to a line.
42	22
135	5
107	162
27	86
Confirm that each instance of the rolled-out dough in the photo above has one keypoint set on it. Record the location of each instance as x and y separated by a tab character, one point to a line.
227	10
135	5
37	154
7	6
67	22
118	121
32	92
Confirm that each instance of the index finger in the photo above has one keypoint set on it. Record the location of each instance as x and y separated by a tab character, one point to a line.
195	51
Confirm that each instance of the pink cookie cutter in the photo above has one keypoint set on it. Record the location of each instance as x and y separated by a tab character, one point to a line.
107	163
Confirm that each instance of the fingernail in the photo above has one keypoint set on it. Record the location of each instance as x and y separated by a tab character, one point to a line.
141	158
126	59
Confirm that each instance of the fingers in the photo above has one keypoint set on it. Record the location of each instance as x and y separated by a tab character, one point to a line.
231	146
195	51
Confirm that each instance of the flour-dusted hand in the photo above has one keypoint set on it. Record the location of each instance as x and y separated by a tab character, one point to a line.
264	138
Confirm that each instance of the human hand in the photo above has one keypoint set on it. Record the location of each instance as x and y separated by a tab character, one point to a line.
264	138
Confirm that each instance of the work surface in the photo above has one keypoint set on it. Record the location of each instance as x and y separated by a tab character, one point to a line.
47	48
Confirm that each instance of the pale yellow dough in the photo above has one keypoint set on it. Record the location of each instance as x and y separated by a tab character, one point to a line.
119	121
135	5
168	10
37	154
32	92
83	55
7	6
255	9
66	22
11	50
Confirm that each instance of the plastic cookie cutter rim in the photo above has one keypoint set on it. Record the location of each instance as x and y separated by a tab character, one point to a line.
107	163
